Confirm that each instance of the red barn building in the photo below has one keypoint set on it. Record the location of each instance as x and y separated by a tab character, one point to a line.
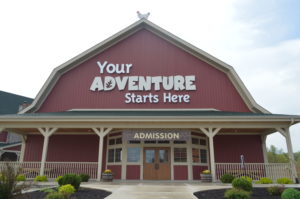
149	106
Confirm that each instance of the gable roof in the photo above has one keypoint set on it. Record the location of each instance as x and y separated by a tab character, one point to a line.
10	102
144	24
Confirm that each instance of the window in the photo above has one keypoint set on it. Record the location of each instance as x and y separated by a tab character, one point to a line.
203	155
133	154
179	142
114	155
180	155
195	141
134	142
115	141
196	155
203	142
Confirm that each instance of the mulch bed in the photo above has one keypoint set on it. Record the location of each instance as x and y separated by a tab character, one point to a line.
257	193
83	193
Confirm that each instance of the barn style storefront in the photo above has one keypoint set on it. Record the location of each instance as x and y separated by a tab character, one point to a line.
148	106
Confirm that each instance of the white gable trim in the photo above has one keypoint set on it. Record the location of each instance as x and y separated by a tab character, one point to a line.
144	24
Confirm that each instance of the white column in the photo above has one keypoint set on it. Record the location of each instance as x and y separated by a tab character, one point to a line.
286	133
23	138
210	133
101	132
124	161
264	148
46	132
190	159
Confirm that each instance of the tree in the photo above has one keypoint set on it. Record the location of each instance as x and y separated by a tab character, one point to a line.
276	155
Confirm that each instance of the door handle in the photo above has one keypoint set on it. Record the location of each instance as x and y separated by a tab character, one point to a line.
156	166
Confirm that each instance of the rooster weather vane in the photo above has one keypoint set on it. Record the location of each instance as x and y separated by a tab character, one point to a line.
143	16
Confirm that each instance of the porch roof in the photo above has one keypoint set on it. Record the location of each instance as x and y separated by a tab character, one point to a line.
150	113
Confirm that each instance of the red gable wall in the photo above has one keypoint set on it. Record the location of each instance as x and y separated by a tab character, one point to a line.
150	56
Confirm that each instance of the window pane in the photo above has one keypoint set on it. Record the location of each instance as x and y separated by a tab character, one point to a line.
163	142
134	142
118	155
133	154
195	141
179	141
180	155
203	155
150	142
111	154
111	142
203	142
150	155
163	155
196	155
119	141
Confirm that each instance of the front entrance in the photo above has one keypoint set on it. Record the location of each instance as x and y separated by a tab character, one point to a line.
157	163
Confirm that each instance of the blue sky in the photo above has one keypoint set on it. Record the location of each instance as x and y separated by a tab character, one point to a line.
260	39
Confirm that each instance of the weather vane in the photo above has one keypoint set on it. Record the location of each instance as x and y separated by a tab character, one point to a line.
143	16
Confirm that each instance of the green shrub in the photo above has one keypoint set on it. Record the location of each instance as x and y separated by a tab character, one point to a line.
227	178
247	178
55	195
57	179
66	189
71	179
41	179
237	194
284	181
84	177
48	190
9	188
264	181
21	178
275	190
290	193
242	183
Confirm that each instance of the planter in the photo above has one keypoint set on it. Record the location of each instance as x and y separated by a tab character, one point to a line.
206	177
107	177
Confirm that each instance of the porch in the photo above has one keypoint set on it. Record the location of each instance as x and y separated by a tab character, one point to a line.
254	170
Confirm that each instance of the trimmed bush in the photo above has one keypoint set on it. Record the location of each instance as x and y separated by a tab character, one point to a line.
242	183
290	193
284	181
20	178
57	179
84	177
247	178
237	194
71	179
275	190
55	195
264	181
66	189
227	178
41	179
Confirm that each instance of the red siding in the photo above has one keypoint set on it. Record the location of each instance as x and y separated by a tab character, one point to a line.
116	169
181	172
104	153
133	172
64	148
3	136
229	148
14	148
197	170
150	56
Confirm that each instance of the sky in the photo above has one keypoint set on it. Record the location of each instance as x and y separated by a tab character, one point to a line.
260	39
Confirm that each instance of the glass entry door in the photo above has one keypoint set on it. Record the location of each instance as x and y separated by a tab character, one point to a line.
157	163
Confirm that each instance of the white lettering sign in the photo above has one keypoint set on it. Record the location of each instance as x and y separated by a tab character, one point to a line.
142	83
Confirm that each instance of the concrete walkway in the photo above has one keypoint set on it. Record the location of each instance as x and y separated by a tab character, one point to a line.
157	190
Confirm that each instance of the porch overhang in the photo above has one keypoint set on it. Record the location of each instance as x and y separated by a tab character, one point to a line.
229	122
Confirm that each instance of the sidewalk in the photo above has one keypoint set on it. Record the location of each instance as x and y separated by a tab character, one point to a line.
150	190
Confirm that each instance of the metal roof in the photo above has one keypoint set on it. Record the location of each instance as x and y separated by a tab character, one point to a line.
9	103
